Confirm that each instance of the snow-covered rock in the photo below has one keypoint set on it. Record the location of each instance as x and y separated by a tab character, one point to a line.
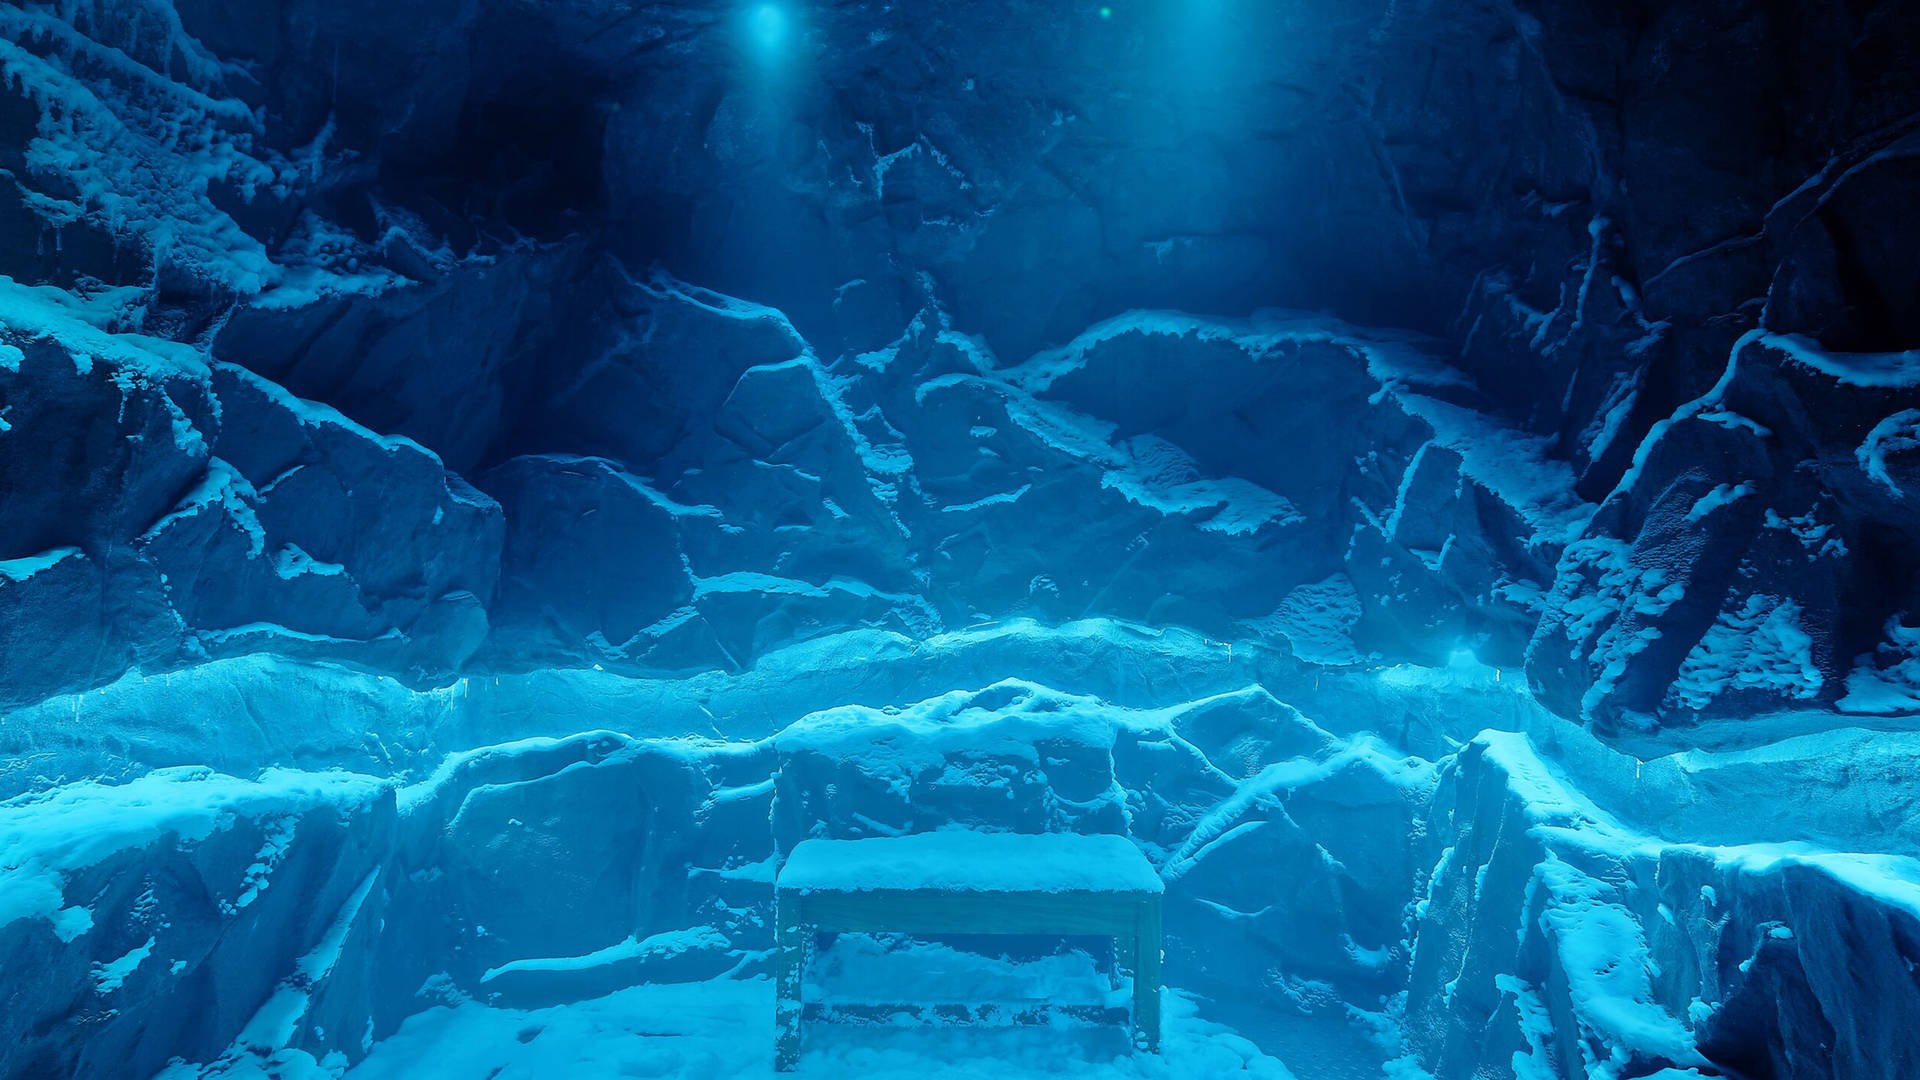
163	510
480	481
1552	938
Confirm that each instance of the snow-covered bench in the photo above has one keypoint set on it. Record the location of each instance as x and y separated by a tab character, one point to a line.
968	883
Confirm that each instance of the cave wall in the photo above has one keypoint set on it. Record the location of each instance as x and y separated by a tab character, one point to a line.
1277	400
1527	905
1657	244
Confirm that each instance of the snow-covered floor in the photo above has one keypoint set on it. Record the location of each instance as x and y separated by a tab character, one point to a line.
722	1030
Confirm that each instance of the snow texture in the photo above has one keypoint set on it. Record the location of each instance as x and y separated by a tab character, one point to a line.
970	862
492	492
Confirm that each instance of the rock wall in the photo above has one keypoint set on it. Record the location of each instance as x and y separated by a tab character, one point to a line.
1480	913
813	405
175	510
321	909
1655	295
1553	940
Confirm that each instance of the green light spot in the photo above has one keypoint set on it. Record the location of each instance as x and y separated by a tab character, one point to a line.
1106	13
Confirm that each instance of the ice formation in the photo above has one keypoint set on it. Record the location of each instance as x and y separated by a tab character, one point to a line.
482	484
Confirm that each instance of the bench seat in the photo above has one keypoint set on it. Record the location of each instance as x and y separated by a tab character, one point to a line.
956	882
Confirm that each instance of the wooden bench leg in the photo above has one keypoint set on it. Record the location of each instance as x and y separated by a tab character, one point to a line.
1146	979
789	967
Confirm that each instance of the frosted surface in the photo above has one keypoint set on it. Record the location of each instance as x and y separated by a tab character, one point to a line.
492	491
957	861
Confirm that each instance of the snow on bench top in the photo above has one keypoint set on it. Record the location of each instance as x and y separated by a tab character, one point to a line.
961	861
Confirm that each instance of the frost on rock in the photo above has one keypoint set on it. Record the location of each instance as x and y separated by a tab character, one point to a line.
488	488
127	145
1317	619
1585	925
1889	680
1880	452
1760	647
638	665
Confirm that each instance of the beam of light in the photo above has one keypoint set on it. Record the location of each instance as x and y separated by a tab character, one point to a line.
767	26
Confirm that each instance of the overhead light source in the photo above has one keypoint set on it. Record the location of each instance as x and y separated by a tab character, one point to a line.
767	26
